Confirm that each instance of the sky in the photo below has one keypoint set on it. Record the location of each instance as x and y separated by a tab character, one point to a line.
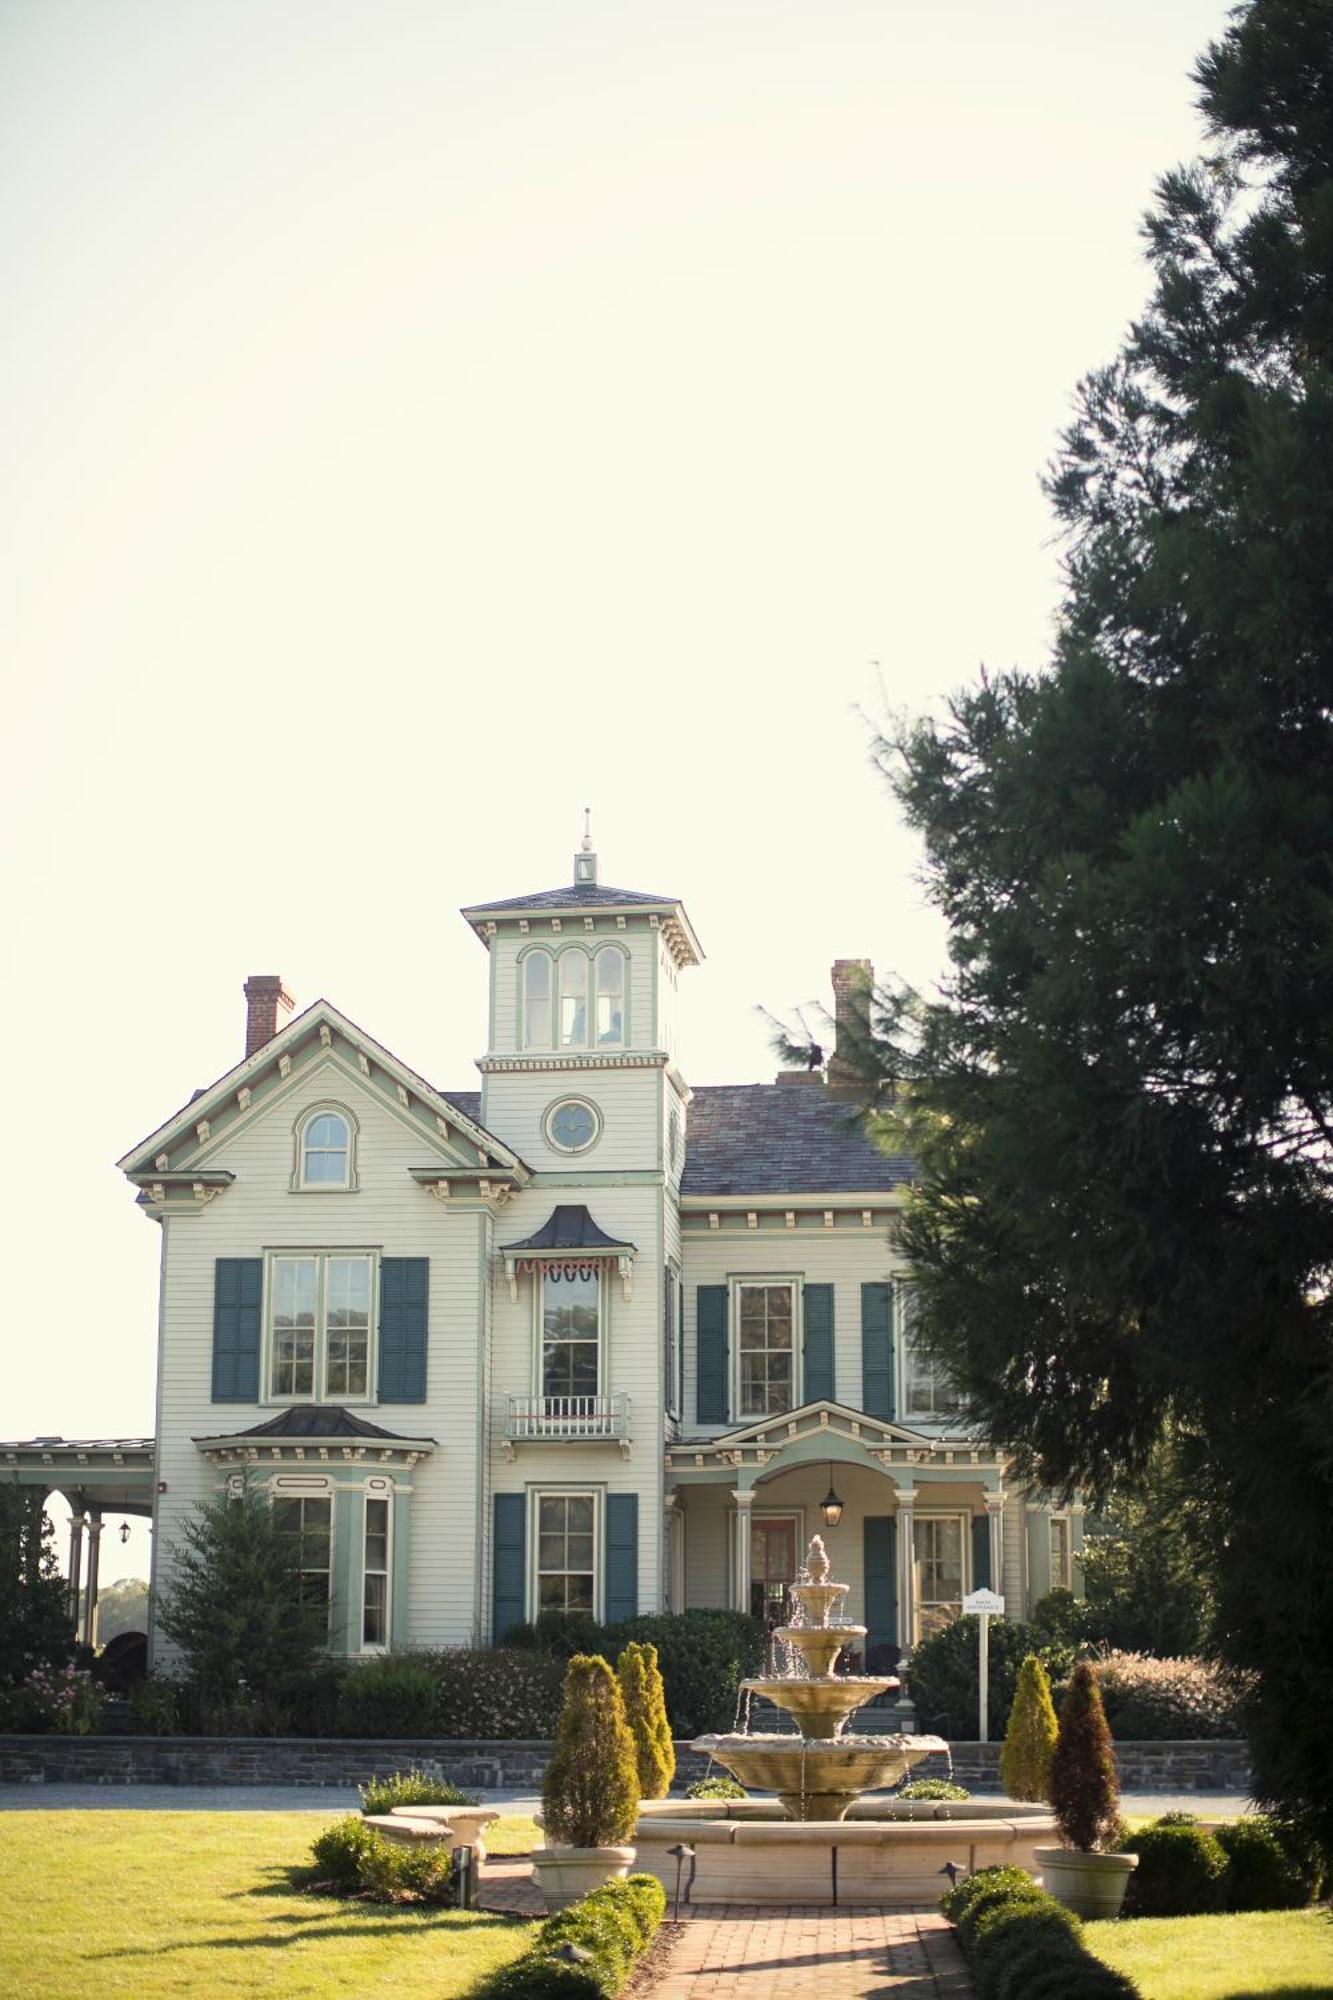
423	419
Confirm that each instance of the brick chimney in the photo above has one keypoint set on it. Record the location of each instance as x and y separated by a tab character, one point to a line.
267	1005
853	985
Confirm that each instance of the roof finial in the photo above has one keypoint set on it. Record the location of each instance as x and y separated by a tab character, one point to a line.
585	861
587	829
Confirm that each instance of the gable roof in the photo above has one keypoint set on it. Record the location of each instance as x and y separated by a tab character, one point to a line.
309	1028
772	1138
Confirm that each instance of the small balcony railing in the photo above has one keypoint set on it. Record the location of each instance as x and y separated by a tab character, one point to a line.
568	1417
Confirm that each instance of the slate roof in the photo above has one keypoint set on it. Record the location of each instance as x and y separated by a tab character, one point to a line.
466	1101
326	1420
577	896
777	1138
568	1227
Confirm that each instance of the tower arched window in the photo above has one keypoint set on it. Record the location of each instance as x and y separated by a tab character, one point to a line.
324	1151
537	1000
574	969
610	974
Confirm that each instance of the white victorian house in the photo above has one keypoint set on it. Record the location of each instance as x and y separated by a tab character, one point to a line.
584	1339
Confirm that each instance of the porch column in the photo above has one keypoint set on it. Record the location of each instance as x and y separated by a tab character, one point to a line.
75	1561
740	1569
995	1510
673	1569
906	1569
94	1565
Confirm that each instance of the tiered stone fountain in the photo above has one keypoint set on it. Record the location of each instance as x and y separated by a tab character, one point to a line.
829	1845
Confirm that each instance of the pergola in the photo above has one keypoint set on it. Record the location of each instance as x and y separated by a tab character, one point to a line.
97	1476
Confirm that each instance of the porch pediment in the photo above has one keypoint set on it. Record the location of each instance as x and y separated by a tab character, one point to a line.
826	1430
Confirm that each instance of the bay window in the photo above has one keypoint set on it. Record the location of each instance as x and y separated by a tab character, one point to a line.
307	1523
375	1575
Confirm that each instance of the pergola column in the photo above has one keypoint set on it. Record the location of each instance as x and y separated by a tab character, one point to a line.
742	1502
94	1567
906	1569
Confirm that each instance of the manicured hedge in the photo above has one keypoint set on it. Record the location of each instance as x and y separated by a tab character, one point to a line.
1020	1944
1180	1873
496	1691
702	1656
1255	1863
1147	1700
614	1925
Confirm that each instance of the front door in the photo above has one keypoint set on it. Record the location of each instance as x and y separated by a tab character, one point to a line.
772	1566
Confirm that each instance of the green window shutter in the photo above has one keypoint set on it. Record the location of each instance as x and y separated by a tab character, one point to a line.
710	1334
622	1556
238	1292
880	1575
818	1344
508	1555
981	1576
877	1350
404	1289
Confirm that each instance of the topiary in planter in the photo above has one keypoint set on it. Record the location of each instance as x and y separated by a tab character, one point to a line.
1084	1790
1180	1872
590	1793
1029	1742
645	1711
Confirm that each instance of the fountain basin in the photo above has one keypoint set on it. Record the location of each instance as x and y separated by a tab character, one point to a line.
820	1707
817	1777
883	1854
819	1645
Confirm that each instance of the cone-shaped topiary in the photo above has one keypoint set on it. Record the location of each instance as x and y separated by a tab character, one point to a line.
1029	1741
1084	1790
591	1789
645	1711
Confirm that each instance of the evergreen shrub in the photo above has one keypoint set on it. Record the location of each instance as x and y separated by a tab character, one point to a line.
1021	1944
703	1656
353	1859
395	1695
1029	1741
716	1788
1084	1791
338	1853
1180	1872
412	1788
1260	1875
496	1691
614	1926
590	1793
942	1675
645	1711
155	1707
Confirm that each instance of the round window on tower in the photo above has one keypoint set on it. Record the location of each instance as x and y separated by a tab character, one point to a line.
572	1125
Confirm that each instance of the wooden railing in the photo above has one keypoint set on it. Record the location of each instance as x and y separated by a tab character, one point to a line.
568	1417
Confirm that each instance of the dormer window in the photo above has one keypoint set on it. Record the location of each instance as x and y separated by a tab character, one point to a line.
324	1151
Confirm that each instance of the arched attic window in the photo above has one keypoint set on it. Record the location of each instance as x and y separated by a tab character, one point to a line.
537	1000
325	1141
610	976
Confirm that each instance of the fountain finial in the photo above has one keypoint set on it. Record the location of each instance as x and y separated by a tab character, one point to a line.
817	1562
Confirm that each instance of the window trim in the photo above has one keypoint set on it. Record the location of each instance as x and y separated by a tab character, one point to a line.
589	953
328	1109
539	1330
964	1520
738	1283
377	1488
319	1394
566	1490
902	1287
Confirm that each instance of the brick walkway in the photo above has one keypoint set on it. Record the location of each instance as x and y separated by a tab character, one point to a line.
802	1952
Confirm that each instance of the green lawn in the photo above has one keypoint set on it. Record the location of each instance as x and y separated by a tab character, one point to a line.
1284	1952
195	1904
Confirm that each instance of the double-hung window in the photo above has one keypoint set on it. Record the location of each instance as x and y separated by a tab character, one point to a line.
766	1348
566	1573
571	1332
375	1575
1061	1572
319	1326
939	1543
307	1522
926	1389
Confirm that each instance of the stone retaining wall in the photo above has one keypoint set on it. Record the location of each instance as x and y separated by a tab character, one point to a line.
295	1760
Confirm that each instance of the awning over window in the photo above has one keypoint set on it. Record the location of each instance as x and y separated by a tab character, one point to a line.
570	1244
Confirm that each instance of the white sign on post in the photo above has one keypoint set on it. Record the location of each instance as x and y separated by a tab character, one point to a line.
985	1605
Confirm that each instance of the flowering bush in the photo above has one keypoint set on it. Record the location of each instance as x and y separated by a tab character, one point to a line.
497	1691
1148	1698
66	1699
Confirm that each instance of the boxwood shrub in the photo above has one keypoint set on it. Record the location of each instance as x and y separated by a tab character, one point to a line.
1021	1944
393	1696
352	1859
413	1788
1180	1872
614	1926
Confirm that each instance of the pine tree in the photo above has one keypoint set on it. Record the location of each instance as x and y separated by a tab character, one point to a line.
233	1604
1084	1790
590	1794
1122	1105
1029	1741
645	1710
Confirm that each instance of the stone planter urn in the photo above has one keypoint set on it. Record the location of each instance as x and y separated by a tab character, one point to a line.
563	1874
1092	1885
